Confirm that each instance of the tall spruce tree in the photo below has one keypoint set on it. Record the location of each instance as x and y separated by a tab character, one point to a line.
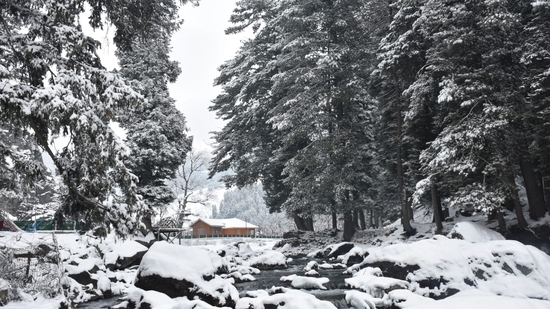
304	91
401	55
247	144
534	125
156	130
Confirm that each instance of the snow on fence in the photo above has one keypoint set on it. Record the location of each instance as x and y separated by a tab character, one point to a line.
29	267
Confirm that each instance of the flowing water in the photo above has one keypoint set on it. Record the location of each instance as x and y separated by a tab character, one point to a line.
100	304
335	292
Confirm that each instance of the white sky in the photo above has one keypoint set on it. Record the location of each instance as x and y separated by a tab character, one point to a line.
201	46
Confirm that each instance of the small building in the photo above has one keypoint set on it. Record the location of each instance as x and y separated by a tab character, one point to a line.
233	226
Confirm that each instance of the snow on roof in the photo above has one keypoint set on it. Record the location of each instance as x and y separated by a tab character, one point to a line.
227	223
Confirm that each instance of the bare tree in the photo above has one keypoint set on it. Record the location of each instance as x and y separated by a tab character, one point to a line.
192	185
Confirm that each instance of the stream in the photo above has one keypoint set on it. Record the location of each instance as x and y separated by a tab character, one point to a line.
335	292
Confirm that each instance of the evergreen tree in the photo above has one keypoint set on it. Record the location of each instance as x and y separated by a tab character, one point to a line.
156	130
297	88
472	77
53	85
533	125
247	143
401	55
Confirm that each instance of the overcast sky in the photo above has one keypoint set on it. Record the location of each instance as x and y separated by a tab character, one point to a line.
201	46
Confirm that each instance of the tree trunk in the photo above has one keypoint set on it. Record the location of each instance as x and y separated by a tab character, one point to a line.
356	218
522	223
147	224
405	215
537	207
371	217
445	211
349	228
334	220
545	193
408	202
438	212
362	219
509	204
376	220
501	221
309	223
299	221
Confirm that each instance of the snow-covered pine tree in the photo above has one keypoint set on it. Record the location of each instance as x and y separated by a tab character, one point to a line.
475	77
299	116
156	130
534	123
401	55
24	180
326	61
247	143
53	85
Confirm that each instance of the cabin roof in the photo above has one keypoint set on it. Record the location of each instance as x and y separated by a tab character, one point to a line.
226	223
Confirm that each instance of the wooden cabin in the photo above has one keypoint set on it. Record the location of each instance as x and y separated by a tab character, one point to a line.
213	227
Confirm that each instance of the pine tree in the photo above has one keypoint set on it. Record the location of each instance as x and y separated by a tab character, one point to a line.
156	130
247	144
296	90
473	88
534	125
53	85
401	55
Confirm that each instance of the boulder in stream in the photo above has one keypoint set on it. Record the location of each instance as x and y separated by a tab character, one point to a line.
184	271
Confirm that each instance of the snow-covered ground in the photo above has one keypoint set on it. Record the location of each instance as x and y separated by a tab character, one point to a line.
470	266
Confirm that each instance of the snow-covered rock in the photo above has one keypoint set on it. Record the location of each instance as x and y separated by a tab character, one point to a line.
336	250
362	300
301	282
124	255
312	273
354	256
473	232
308	283
479	300
311	265
375	286
269	259
140	299
239	277
288	278
184	271
440	267
405	299
283	298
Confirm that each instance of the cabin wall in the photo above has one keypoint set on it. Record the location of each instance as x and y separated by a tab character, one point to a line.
201	228
238	231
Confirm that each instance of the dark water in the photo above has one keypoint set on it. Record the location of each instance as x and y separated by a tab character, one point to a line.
100	304
335	292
